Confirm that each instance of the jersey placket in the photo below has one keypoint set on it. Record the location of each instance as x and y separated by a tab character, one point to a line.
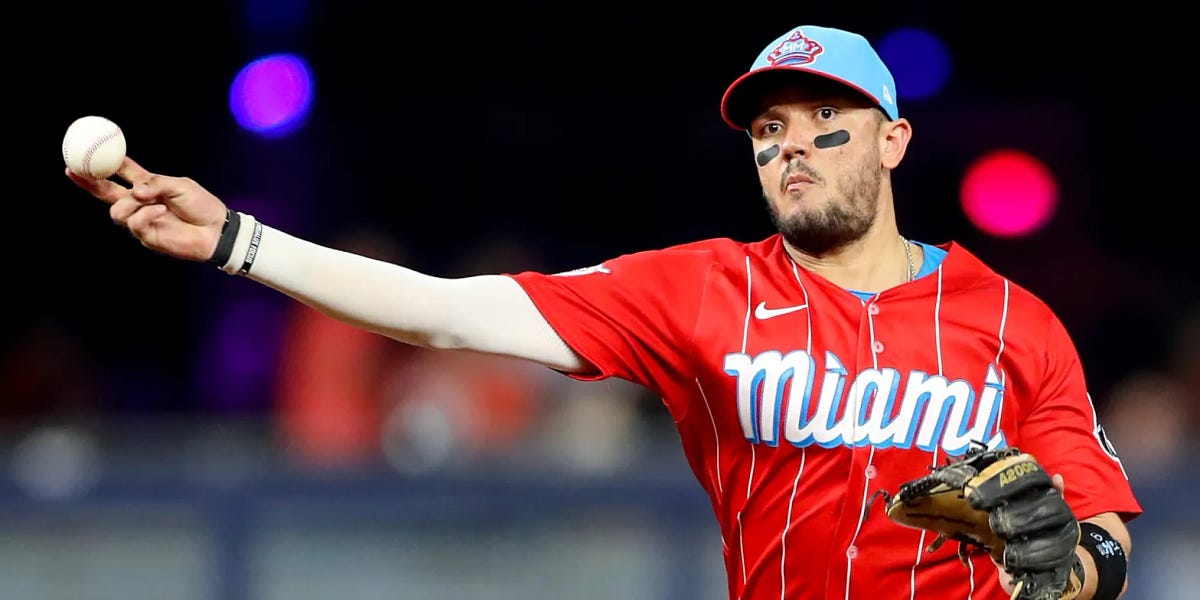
860	468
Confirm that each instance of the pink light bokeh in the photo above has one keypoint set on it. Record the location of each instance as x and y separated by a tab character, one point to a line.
1008	193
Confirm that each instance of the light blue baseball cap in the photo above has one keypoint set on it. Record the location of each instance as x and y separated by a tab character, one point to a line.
834	54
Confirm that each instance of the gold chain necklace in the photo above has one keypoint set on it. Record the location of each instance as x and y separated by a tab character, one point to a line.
908	253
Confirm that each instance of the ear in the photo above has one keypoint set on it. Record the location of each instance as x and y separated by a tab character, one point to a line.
893	141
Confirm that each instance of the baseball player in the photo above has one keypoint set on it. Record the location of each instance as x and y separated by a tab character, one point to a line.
806	371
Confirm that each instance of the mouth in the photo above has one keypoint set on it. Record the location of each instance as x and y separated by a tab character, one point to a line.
796	182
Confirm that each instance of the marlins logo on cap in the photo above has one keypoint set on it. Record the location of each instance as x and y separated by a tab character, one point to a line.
795	50
834	54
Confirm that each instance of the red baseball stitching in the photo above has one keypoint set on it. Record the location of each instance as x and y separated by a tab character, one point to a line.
87	155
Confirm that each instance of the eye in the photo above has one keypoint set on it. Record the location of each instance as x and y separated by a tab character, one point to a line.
827	113
770	128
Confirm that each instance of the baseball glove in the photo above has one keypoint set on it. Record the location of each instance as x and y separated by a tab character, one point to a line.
1002	502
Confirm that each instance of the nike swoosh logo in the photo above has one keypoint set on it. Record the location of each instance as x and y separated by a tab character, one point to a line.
761	312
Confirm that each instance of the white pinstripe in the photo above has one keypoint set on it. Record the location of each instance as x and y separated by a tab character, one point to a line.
741	539
1003	323
857	397
803	458
937	338
808	314
999	351
971	575
786	525
912	575
716	439
749	307
937	321
717	473
753	452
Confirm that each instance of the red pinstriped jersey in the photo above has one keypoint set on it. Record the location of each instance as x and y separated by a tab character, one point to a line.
796	400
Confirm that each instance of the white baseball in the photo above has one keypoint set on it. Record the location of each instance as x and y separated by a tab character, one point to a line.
93	147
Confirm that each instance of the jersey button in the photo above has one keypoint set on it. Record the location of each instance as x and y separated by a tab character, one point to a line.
871	472
877	346
852	552
873	309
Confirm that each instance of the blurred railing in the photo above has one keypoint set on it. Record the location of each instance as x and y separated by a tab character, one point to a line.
214	512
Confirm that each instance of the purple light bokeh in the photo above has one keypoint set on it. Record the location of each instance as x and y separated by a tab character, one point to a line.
919	61
271	95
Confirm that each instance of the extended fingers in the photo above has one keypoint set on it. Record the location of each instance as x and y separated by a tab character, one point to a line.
132	172
163	188
123	209
109	190
103	189
140	222
144	186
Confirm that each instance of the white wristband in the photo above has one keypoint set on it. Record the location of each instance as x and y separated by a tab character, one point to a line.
249	233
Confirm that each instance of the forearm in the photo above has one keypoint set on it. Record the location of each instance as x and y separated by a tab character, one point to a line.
1113	526
487	313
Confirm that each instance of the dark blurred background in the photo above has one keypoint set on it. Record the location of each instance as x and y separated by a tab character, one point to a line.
173	432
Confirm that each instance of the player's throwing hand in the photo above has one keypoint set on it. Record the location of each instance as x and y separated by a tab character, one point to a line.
171	215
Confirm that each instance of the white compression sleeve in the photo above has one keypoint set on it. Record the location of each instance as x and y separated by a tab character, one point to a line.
485	313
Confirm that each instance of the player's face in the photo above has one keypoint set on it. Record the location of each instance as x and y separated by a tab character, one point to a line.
817	147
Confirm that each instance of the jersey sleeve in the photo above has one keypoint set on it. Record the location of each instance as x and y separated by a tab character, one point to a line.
1064	433
631	317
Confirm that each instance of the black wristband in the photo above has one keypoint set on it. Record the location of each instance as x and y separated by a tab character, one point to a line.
1111	565
229	232
252	251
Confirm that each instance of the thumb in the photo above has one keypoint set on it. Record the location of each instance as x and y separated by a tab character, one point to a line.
1060	484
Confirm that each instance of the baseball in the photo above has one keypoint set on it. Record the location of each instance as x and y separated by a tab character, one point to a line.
93	147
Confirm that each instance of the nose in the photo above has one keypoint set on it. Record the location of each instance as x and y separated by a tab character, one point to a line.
797	144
